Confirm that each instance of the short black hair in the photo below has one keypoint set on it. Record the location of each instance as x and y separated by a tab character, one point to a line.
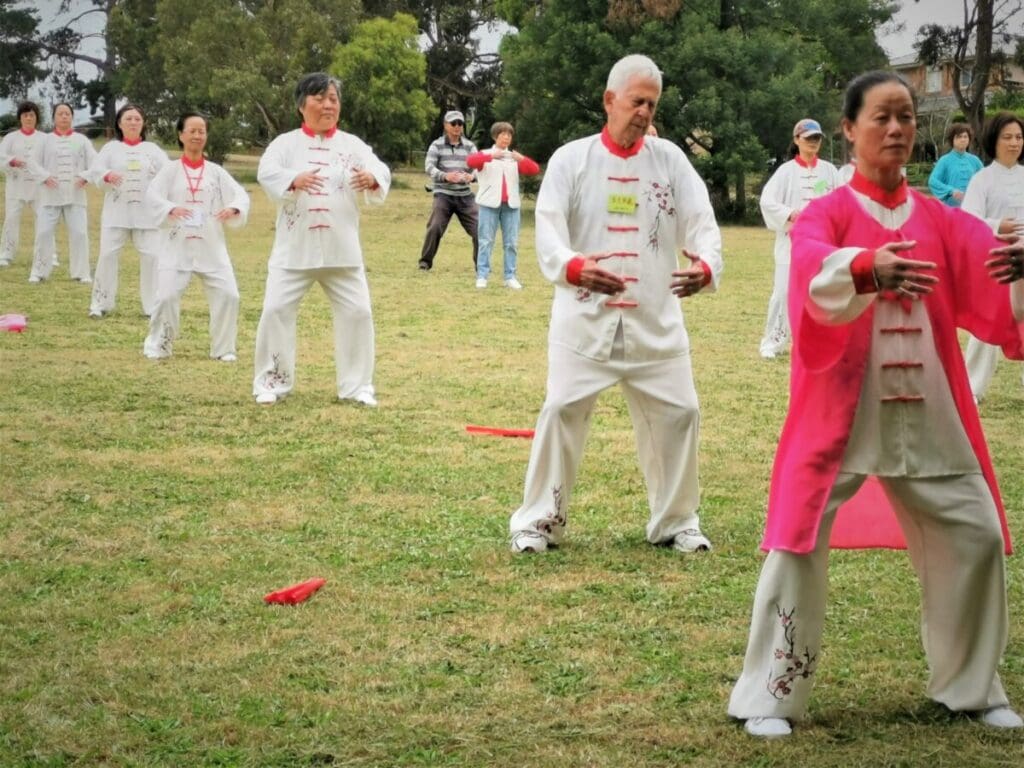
117	121
183	118
29	106
314	84
853	101
956	129
995	126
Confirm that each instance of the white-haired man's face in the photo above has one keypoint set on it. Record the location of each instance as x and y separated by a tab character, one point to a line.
631	110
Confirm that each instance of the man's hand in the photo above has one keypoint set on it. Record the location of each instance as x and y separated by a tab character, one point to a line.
1008	264
593	278
904	276
686	282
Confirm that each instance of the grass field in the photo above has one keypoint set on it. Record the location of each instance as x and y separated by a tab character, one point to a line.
146	508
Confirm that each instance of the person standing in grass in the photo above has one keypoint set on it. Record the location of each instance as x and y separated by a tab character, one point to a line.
786	194
65	158
949	178
882	278
615	213
995	194
18	151
497	198
314	175
194	198
124	169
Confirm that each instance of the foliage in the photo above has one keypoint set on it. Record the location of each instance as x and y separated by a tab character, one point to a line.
19	52
737	75
148	506
383	76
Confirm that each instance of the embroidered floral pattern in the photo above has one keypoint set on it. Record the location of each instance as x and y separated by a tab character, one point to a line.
291	215
556	520
583	294
661	198
275	377
166	339
797	666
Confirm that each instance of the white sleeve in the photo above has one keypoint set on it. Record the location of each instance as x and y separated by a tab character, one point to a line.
834	298
158	193
557	191
975	200
236	197
773	199
380	172
273	173
699	232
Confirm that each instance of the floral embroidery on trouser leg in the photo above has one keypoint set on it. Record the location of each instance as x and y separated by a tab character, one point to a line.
798	666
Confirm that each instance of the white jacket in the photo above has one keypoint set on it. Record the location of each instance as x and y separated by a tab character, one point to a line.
790	189
489	179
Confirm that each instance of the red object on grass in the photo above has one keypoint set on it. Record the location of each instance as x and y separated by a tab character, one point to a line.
473	429
295	593
15	323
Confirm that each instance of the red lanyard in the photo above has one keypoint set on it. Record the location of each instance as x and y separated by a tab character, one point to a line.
193	188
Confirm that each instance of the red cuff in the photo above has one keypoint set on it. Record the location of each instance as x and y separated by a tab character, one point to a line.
106	176
707	272
574	269
862	268
477	160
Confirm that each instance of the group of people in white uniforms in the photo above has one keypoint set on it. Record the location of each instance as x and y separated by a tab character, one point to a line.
995	194
789	190
615	213
193	199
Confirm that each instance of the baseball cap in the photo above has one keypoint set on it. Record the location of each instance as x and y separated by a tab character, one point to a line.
452	115
807	127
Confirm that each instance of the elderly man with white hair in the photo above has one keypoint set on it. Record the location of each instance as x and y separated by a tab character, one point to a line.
314	174
615	213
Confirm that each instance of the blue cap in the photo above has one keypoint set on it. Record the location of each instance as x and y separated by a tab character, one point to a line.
807	127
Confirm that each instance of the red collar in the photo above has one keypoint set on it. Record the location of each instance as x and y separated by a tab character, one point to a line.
132	142
27	133
310	132
58	133
615	149
893	199
804	164
193	163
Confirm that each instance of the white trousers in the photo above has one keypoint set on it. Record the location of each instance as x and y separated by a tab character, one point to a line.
776	328
666	419
12	227
221	294
349	295
956	547
75	220
104	286
981	360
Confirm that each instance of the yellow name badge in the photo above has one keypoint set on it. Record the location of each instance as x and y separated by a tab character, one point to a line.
134	165
621	203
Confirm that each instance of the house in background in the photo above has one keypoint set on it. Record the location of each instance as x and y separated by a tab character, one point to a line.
937	103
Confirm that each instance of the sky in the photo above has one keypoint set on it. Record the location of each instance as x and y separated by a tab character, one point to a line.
897	38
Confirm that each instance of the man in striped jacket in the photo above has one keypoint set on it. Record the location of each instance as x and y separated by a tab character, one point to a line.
447	168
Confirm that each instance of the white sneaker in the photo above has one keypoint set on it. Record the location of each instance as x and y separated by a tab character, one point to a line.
481	282
266	398
767	727
528	542
34	279
1001	717
691	540
83	280
365	398
230	357
514	284
155	355
95	313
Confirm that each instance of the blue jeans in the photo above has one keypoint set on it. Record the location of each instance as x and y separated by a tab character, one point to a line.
487	229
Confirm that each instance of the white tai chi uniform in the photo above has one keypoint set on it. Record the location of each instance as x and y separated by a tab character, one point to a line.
643	205
66	158
317	241
194	246
126	217
993	193
789	189
940	496
20	190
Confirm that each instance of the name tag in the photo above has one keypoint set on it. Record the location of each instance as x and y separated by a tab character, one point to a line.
195	218
621	203
134	165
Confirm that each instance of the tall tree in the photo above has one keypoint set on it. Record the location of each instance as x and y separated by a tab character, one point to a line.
19	53
737	73
384	97
973	48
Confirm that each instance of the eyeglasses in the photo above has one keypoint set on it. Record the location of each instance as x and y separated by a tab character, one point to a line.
457	122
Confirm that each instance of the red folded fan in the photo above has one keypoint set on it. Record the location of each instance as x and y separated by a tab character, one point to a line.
473	429
15	323
296	593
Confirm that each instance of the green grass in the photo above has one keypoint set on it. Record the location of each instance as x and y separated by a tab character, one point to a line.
146	507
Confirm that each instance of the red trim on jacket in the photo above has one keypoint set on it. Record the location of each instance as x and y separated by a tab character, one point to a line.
132	142
193	163
883	197
862	268
804	164
310	132
574	269
615	149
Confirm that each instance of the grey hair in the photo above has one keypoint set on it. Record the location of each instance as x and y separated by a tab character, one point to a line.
631	66
314	84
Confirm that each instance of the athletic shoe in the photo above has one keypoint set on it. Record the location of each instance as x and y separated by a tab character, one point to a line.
525	542
363	398
481	282
691	540
1001	717
266	398
34	279
230	357
425	266
767	727
514	284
